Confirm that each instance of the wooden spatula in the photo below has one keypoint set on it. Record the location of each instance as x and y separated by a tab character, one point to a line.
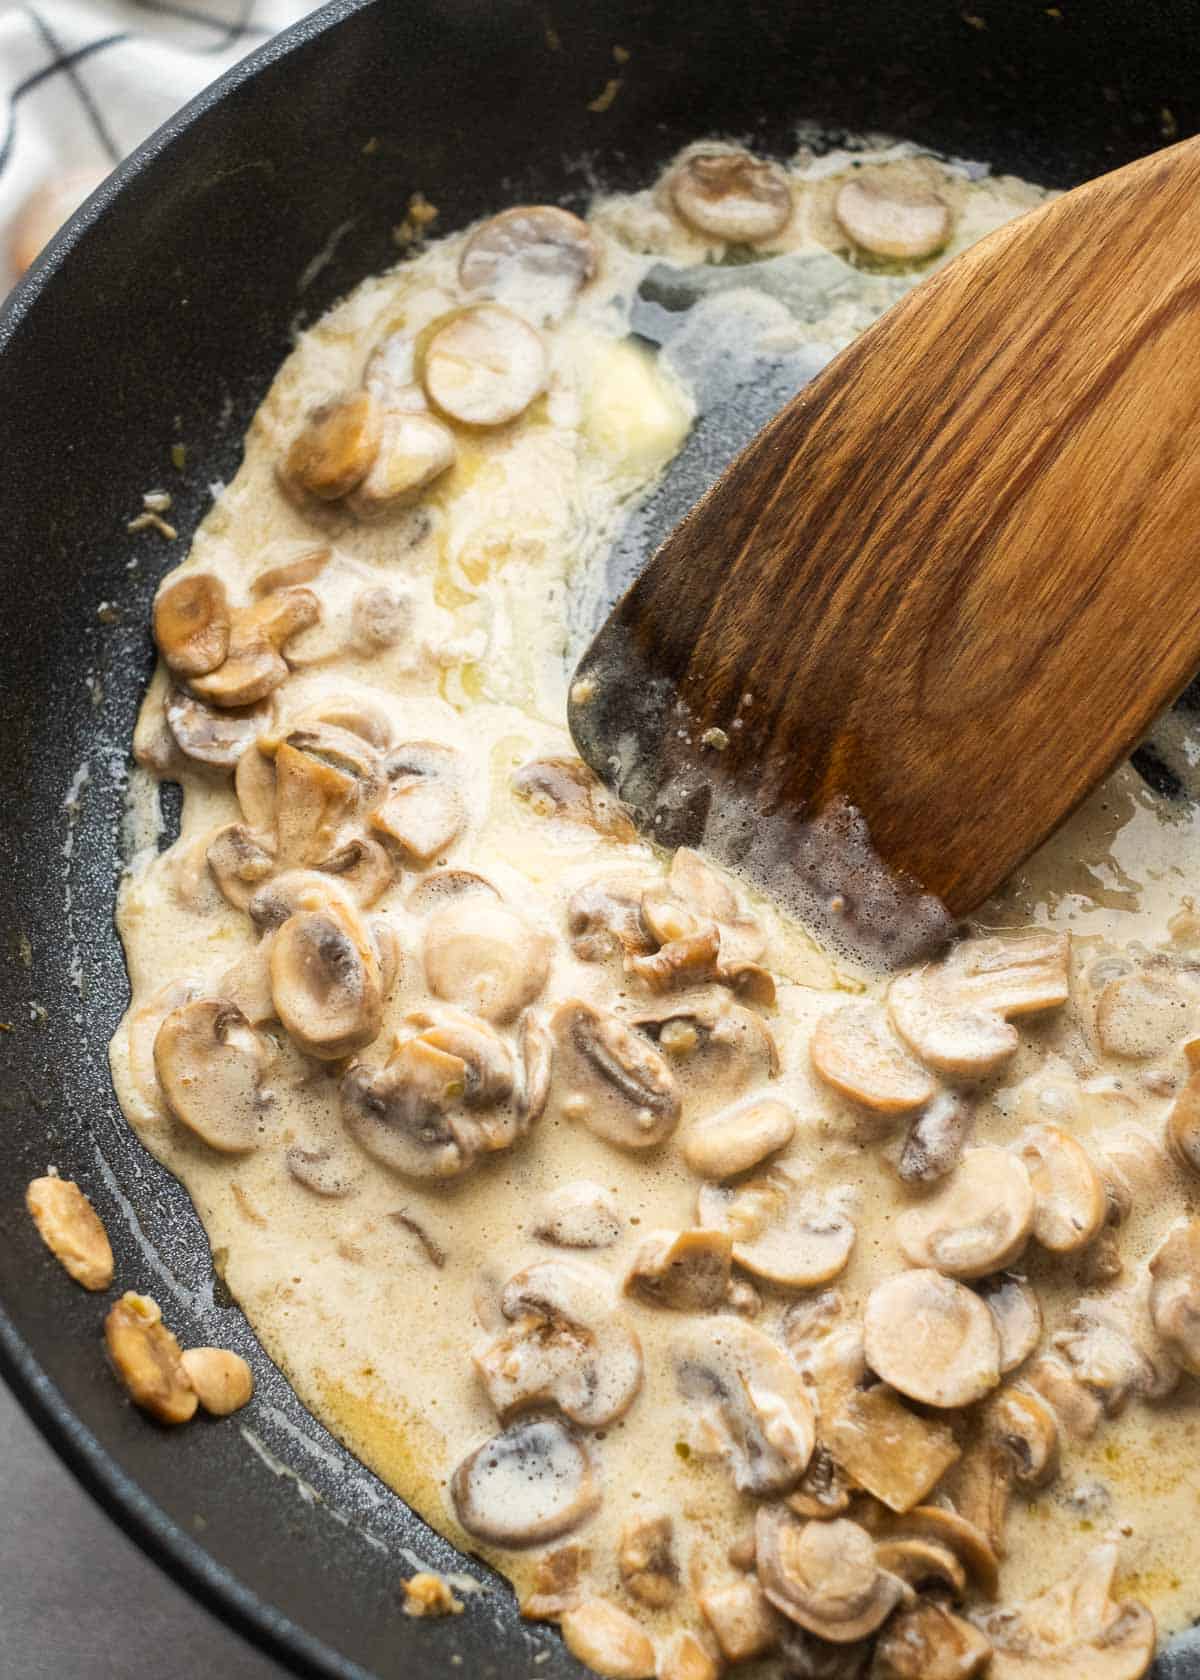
944	591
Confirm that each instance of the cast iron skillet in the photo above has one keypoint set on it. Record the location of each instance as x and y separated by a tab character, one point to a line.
160	315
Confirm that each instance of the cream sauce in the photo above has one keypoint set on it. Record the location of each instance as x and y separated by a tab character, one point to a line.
346	1297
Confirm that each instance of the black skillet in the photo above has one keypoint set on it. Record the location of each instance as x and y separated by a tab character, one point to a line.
160	316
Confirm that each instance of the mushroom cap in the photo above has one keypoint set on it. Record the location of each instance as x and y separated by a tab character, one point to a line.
191	623
731	196
1022	1426
208	736
568	1347
334	449
326	982
1071	1201
756	1399
977	1221
211	1063
931	1338
525	1486
686	1270
531	242
1017	1312
611	1078
607	1640
782	1230
957	1042
240	862
854	1050
824	1575
484	956
735	1139
483	365
422	811
891	218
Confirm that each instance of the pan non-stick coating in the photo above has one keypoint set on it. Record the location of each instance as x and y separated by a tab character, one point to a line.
160	317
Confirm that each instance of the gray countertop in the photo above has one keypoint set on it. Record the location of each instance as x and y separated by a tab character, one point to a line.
69	1579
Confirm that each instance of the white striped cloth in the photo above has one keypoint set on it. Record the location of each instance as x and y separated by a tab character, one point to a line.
82	82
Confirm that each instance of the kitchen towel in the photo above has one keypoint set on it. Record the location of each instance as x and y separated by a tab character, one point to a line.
85	81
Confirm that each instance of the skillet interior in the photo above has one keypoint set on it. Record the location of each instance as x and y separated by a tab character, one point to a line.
172	295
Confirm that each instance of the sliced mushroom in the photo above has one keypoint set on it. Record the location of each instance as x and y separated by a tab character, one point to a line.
688	961
423	811
1112	1353
363	867
1074	1629
568	1346
827	1347
336	446
824	1575
940	1527
254	784
893	218
483	365
1183	1120
435	891
71	1229
854	1050
191	623
783	1229
240	862
537	244
211	1065
923	1565
646	1560
684	1657
1175	1294
977	1221
326	982
1141	1015
1018	1317
579	1215
735	1139
932	1339
731	196
694	890
935	1140
567	790
1071	1204
752	1398
605	917
255	664
743	1621
557	1583
718	1048
609	1077
322	1171
607	1640
955	1015
1077	1409
207	736
929	1642
485	957
1022	1427
887	1449
687	1270
414	450
286	565
525	1486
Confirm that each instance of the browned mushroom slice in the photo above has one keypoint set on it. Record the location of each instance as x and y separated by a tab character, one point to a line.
680	963
646	1560
891	217
579	1214
146	1358
731	196
977	1221
604	918
687	1270
568	1346
557	1583
567	790
929	1642
945	1529
824	1575
936	1138
1076	1629
743	1621
1071	1204
608	1641
525	1486
254	784
956	1014
414	450
336	446
923	1565
483	956
531	244
1018	1317
1175	1294
240	863
751	1399
211	1065
854	1050
610	1078
783	1229
423	811
932	1339
191	623
219	738
71	1229
1141	1015
735	1139
255	664
483	365
887	1449
326	981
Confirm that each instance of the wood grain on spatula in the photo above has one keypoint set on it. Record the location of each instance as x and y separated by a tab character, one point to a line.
955	579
